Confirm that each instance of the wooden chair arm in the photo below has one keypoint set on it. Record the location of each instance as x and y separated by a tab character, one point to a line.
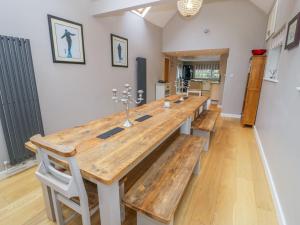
61	150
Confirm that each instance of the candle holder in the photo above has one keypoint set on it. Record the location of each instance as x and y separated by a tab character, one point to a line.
180	87
126	98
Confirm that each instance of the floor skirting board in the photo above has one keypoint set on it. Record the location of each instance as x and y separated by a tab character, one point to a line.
17	169
279	211
238	116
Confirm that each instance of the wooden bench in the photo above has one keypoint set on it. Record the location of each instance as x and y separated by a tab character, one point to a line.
156	195
204	125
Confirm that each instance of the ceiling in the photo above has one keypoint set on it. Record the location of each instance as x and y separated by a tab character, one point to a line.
160	15
264	5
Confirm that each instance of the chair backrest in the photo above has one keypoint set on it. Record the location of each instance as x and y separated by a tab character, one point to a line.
183	89
194	92
68	185
206	86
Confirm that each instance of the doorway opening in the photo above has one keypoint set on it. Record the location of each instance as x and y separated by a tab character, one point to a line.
203	70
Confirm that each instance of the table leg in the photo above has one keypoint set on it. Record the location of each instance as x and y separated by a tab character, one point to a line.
186	127
206	105
109	203
48	202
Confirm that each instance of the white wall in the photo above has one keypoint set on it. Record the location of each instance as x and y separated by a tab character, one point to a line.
73	94
234	24
278	123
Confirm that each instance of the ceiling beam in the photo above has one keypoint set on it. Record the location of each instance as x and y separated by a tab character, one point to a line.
197	53
109	7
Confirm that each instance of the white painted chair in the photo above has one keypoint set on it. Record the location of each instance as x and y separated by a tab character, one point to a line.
193	92
69	189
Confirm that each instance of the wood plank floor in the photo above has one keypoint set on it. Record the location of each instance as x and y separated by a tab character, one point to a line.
231	189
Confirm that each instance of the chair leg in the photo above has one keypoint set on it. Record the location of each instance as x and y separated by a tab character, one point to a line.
86	217
85	213
57	209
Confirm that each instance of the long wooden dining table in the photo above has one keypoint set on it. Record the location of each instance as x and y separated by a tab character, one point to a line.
106	162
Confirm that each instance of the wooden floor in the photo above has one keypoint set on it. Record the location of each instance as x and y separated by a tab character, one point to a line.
231	189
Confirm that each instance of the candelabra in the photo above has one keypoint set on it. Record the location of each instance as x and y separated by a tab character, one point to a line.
180	86
126	98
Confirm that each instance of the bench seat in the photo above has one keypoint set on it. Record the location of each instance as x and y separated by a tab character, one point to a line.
204	125
156	195
206	121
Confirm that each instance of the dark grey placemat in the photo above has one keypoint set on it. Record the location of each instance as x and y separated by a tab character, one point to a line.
143	118
110	133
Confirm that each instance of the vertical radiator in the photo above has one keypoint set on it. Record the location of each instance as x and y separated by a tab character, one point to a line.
142	77
19	104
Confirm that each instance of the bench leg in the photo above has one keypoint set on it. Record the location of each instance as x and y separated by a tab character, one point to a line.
208	141
197	168
142	219
205	134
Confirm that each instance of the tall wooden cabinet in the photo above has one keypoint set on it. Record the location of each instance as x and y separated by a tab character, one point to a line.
253	89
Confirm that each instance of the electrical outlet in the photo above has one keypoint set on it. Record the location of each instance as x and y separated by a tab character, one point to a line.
6	164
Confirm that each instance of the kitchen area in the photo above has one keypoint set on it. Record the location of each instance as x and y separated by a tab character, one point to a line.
203	72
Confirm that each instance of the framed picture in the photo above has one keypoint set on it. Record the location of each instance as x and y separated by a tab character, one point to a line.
66	41
293	34
119	51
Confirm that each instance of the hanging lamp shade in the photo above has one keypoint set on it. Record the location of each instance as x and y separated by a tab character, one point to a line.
189	8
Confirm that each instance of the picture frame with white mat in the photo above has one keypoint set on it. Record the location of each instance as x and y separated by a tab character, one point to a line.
293	33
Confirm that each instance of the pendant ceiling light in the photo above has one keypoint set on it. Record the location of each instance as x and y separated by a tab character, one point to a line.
189	8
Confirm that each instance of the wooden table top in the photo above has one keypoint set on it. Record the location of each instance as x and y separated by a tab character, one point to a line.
109	160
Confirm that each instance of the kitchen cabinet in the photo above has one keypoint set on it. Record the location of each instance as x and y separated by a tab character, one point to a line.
253	90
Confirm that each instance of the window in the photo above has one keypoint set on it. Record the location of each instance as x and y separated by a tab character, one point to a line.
215	75
202	74
142	11
207	71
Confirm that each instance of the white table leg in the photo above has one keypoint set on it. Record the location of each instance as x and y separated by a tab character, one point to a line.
205	106
186	127
201	109
109	203
122	193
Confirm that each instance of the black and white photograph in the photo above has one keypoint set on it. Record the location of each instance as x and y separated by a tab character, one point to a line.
66	40
119	51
